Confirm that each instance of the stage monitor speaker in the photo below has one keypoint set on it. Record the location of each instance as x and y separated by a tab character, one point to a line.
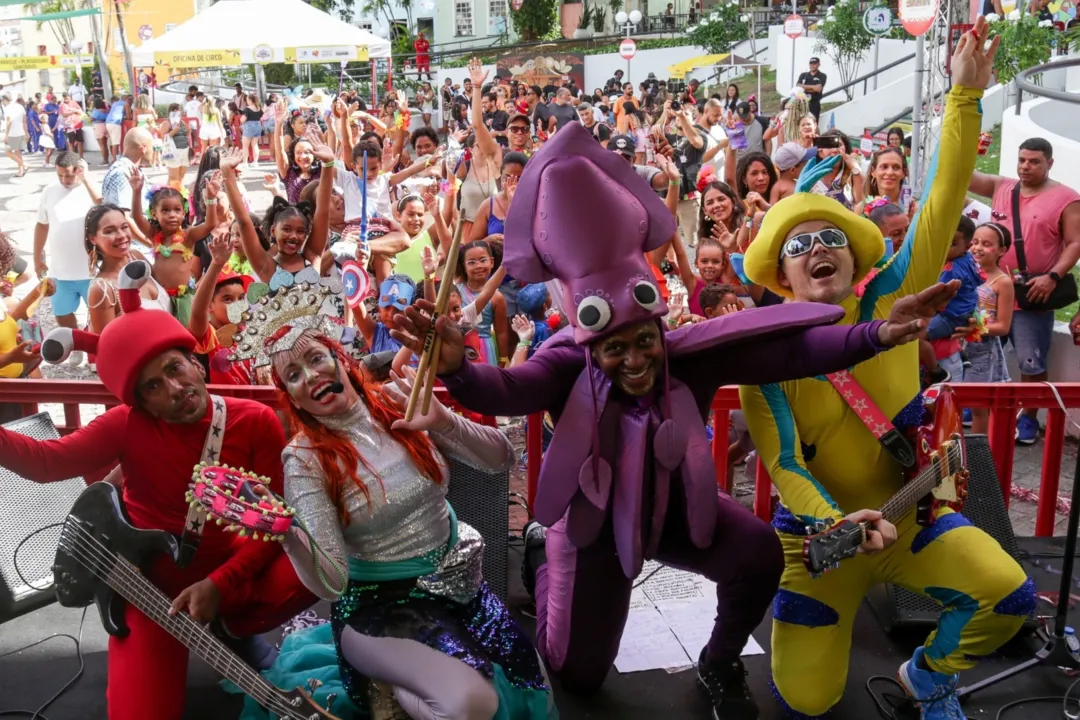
27	507
481	500
898	609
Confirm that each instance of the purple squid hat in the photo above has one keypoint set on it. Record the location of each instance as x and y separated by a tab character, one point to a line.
581	214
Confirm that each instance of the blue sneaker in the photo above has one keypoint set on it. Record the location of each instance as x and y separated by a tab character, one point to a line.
933	692
967	417
1027	430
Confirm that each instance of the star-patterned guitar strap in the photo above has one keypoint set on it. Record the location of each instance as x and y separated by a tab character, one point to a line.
195	523
881	427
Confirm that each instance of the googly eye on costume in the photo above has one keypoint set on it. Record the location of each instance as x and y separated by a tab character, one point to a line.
593	313
646	295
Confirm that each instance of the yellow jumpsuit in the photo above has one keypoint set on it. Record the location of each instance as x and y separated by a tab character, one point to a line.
826	464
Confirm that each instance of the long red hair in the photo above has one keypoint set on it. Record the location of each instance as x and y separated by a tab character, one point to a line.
337	455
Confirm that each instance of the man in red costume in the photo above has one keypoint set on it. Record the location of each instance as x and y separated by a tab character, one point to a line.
423	58
165	426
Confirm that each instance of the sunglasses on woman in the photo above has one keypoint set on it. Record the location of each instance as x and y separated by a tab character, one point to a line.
804	242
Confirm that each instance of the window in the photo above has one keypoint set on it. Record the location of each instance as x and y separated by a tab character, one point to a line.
169	27
42	50
463	18
365	25
497	17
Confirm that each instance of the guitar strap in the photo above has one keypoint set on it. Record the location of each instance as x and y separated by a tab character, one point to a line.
195	523
880	426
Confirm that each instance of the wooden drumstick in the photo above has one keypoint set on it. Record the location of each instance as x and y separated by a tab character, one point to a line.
431	340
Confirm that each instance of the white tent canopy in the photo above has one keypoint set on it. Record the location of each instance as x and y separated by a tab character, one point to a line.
245	25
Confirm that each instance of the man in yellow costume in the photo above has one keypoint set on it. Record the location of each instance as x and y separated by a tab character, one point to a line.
830	468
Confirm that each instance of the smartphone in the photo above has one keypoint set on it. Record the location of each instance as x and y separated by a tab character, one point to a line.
827	142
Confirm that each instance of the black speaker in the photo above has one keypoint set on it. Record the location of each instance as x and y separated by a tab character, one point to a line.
898	609
481	500
26	579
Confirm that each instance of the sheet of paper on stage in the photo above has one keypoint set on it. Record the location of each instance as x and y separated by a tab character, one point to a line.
649	644
660	583
691	621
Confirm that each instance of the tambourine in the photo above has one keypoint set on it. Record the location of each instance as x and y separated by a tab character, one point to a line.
228	495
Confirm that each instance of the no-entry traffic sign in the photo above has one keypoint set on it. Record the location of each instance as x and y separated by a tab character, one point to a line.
627	48
793	26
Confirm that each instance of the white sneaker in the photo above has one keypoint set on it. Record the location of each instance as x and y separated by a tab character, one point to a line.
76	358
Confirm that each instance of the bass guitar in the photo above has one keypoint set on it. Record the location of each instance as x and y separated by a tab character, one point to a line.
100	558
941	481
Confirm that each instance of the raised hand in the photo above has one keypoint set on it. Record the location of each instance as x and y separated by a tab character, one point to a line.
524	328
220	247
477	73
972	60
230	158
909	314
136	179
212	188
437	419
427	261
412	327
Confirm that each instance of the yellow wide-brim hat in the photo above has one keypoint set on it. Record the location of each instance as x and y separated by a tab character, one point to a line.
762	261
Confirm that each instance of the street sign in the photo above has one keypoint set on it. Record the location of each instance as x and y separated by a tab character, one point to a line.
877	20
794	26
917	16
516	4
627	48
146	32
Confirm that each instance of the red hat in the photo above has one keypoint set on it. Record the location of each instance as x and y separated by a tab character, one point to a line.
128	342
226	275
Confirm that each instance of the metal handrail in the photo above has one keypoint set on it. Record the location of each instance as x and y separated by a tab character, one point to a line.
1023	85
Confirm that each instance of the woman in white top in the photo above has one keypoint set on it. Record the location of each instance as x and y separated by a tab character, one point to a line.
108	245
425	96
210	128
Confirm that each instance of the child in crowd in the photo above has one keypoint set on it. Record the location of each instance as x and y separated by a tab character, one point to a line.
217	290
477	265
19	352
379	181
172	240
959	265
531	325
996	297
717	299
395	294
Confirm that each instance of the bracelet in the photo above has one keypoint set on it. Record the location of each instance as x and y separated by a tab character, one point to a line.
330	164
430	276
524	345
210	201
674	183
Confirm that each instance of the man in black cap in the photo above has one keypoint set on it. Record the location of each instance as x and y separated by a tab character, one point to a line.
813	82
624	145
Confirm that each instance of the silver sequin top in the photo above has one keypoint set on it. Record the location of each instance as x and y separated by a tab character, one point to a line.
407	515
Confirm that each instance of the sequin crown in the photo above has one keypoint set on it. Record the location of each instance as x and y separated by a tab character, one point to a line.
272	323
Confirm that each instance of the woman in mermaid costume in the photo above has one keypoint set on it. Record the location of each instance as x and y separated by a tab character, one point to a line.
416	629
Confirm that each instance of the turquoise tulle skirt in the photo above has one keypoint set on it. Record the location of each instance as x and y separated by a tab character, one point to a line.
481	634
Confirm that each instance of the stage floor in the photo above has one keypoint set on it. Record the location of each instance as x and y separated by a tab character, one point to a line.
28	678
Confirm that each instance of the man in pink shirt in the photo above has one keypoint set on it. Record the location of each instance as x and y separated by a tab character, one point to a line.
1050	225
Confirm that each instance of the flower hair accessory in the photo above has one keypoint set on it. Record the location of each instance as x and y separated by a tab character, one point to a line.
872	204
706	175
150	193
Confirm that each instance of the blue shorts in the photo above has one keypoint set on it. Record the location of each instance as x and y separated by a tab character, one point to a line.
943	325
251	129
65	301
268	126
1030	336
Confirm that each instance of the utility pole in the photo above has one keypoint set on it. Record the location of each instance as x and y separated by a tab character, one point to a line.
128	68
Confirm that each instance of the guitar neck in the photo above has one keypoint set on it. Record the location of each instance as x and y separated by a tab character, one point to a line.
917	488
126	580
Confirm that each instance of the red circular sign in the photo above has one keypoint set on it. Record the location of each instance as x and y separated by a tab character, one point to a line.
516	4
627	48
917	16
794	26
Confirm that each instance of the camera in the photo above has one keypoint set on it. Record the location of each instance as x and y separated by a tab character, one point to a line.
828	142
676	105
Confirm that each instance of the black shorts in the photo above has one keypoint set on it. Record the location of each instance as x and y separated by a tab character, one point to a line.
74	136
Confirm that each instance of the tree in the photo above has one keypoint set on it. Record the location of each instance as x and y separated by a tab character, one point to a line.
536	19
341	8
1025	43
723	27
844	39
62	30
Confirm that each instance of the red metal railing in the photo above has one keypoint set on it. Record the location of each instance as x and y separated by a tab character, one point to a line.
1003	400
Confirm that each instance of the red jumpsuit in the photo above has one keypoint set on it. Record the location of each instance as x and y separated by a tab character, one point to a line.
259	589
423	59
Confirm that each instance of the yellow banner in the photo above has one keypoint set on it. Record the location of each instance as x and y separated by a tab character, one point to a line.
328	54
38	62
198	58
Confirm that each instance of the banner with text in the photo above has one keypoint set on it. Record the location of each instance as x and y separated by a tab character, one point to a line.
198	58
328	54
38	62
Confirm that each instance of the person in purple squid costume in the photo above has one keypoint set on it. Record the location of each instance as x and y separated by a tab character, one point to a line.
629	475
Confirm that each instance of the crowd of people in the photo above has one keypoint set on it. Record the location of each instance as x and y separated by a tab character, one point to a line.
620	259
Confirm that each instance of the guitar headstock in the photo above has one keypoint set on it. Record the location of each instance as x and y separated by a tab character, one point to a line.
824	551
948	418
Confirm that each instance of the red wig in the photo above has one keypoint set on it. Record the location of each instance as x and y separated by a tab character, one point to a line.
337	455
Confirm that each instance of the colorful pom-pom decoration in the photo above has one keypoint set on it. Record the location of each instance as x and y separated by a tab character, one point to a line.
240	501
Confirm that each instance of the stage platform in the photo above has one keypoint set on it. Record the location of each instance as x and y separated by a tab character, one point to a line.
28	678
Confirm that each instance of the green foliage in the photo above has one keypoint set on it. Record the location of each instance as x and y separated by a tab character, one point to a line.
586	16
599	18
724	26
1025	43
536	19
340	8
844	39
